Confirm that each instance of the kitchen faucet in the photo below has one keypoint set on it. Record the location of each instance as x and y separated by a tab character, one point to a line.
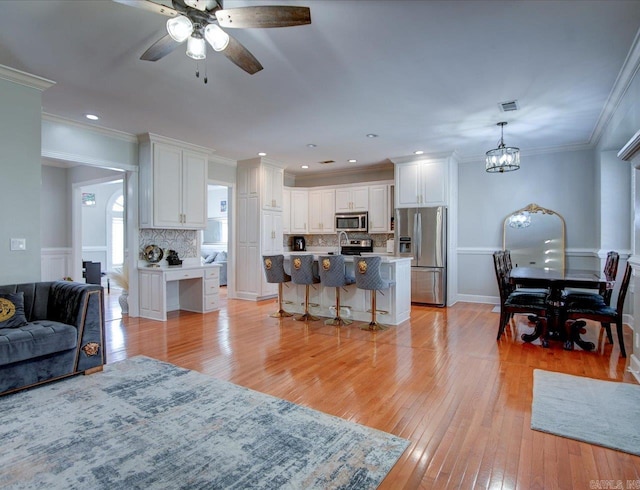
346	237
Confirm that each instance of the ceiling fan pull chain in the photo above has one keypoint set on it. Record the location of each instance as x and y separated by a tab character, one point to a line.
197	69
205	73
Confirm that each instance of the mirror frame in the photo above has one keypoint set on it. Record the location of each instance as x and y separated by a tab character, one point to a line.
533	208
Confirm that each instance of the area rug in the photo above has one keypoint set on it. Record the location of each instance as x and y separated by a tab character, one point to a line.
147	424
599	412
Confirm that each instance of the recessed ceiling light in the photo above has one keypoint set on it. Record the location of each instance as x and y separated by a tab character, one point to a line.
311	145
304	166
262	154
92	117
418	152
371	135
352	160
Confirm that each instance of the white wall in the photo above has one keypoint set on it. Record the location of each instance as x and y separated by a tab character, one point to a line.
563	181
20	167
54	208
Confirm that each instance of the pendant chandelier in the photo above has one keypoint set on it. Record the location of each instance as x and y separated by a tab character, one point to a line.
504	158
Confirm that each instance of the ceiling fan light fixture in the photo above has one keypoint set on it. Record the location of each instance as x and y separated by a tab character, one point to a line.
179	28
216	37
196	48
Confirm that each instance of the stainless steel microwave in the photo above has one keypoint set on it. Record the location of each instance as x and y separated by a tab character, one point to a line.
352	222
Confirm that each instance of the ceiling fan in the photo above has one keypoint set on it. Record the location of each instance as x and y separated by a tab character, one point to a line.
197	21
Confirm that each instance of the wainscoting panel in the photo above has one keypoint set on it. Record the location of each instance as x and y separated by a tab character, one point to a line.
55	264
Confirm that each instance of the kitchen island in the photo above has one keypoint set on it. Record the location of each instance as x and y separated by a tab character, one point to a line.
393	304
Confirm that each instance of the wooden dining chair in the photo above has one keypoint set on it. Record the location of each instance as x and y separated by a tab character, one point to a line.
585	298
601	312
516	301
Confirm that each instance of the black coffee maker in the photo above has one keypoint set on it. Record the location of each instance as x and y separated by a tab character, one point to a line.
299	244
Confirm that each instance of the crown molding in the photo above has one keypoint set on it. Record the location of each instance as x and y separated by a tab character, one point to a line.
222	160
343	172
619	89
531	152
112	133
630	149
424	156
24	78
151	137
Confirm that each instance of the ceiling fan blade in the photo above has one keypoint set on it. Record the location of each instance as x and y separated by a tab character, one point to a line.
264	16
161	48
241	56
150	6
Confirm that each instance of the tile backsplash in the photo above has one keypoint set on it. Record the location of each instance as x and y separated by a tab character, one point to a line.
331	240
185	242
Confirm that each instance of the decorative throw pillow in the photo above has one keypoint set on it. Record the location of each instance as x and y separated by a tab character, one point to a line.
210	258
221	257
12	310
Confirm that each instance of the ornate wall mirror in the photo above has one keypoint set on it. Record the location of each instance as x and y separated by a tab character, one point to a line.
536	238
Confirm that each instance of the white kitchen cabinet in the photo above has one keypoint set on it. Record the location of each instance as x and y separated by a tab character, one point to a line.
272	187
299	211
379	209
172	184
322	211
422	183
286	211
349	199
258	226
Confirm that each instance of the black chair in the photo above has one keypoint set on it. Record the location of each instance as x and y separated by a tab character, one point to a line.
601	312
92	272
586	299
516	301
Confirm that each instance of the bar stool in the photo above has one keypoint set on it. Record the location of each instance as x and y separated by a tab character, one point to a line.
274	273
302	273
332	274
368	277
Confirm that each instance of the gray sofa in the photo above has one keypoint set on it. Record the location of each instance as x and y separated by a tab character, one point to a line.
63	336
211	255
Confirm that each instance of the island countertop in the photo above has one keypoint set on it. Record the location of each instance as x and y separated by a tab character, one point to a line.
394	303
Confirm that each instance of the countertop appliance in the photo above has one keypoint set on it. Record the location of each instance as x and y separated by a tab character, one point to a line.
356	247
421	233
352	222
299	244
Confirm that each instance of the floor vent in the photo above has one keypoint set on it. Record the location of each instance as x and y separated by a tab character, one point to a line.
324	162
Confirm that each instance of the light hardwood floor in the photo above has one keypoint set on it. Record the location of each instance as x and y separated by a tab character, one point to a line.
440	380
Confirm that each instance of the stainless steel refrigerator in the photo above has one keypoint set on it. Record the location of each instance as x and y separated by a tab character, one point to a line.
421	233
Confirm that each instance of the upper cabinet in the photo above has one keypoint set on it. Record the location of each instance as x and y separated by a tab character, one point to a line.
272	178
172	184
299	211
422	183
322	211
286	211
350	199
379	210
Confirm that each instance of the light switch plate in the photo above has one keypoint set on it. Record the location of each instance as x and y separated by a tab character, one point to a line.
18	244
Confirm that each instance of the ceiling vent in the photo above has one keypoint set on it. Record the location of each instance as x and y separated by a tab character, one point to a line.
324	162
512	105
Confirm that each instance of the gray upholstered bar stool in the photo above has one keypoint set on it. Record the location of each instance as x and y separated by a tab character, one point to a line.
274	273
333	274
302	273
368	277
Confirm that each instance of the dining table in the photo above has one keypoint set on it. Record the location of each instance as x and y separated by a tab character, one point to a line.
556	280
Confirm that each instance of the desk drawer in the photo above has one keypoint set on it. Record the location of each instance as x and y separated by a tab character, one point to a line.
211	302
211	272
183	274
211	286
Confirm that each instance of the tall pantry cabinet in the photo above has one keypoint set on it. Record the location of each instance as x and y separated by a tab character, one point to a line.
259	224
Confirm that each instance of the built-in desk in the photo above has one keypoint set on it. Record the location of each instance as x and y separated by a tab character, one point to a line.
192	288
395	302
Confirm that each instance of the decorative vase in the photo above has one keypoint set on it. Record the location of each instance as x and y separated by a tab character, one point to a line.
123	299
